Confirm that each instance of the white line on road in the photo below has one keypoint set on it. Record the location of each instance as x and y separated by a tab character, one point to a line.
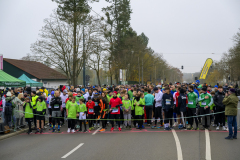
74	149
179	149
96	131
208	147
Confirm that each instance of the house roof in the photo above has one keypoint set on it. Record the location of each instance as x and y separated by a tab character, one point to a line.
36	69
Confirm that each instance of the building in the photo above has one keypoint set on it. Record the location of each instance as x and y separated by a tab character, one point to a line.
34	70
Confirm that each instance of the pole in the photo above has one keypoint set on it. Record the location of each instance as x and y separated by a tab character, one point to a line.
142	71
155	75
84	57
139	70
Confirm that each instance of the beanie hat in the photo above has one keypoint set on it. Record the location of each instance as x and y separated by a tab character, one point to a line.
204	89
52	93
232	90
155	89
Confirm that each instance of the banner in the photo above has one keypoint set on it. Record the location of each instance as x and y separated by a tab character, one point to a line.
205	69
124	74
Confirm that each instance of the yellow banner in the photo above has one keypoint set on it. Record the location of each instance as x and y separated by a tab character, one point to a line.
206	67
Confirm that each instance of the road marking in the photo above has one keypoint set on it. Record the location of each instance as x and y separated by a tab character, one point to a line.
179	149
74	149
208	147
96	131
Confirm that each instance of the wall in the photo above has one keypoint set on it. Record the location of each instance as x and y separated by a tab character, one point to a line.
53	83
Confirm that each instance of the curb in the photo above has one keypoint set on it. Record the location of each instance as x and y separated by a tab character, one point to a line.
13	134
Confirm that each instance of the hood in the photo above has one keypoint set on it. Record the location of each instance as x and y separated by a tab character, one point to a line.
7	99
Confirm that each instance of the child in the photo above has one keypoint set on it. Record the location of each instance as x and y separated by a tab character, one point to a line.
82	109
126	107
40	111
143	99
28	110
90	114
212	107
139	104
133	107
71	109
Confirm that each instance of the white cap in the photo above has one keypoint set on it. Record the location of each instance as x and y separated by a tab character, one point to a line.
9	94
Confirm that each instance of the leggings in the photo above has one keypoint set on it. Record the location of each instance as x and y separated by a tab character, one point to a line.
84	121
90	116
116	117
71	123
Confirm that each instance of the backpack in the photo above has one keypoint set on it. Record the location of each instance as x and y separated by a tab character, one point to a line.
8	108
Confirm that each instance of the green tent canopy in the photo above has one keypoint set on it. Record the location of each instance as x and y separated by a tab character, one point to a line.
30	82
7	80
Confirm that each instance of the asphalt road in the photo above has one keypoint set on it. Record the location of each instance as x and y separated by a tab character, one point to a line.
135	144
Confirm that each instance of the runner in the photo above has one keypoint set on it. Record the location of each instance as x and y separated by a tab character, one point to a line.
50	108
28	111
206	101
34	101
220	108
158	107
56	104
192	103
64	96
40	111
114	106
90	114
72	109
167	101
182	103
149	100
126	107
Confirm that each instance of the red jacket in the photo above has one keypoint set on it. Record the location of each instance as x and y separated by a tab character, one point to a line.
114	102
91	107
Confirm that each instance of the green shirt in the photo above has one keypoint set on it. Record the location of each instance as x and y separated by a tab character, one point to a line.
149	99
34	101
126	104
109	97
139	110
41	106
77	99
130	94
192	99
205	102
28	110
72	109
82	108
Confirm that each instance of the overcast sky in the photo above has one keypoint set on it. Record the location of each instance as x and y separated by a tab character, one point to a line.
186	32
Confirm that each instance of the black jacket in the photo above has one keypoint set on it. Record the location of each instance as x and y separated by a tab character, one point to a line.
56	103
218	99
182	102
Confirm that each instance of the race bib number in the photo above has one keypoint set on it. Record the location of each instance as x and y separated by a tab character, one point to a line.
96	104
168	101
91	110
190	102
115	110
204	103
56	106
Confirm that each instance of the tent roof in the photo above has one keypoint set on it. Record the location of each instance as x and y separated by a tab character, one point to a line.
7	80
29	81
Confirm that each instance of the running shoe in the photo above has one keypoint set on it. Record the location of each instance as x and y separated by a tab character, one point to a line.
192	128
73	130
196	128
217	128
37	131
79	130
53	130
29	132
159	127
41	131
102	130
224	128
59	131
153	127
85	131
234	137
229	138
69	130
112	129
119	129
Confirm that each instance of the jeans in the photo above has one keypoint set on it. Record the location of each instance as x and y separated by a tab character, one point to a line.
232	120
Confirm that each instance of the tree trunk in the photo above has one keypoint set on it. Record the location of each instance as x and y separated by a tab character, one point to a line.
74	78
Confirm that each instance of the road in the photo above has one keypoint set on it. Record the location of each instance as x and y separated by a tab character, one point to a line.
132	145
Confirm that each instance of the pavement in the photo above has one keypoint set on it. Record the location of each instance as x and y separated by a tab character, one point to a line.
121	145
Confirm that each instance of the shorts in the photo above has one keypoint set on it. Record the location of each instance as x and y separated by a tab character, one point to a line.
81	116
40	116
56	114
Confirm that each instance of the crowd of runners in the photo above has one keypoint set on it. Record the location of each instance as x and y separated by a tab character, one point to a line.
180	105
